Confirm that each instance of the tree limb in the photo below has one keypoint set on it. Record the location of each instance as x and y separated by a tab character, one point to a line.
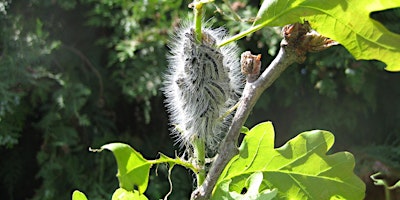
251	93
292	49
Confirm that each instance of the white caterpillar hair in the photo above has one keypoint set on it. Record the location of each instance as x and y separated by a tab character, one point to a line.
202	83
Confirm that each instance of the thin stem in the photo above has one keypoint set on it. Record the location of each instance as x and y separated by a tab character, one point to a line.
235	15
198	17
240	35
170	183
387	194
228	112
199	158
386	189
177	161
197	9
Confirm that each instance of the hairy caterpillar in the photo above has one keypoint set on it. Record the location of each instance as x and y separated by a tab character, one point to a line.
202	83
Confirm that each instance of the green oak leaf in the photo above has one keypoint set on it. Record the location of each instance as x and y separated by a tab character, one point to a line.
345	21
78	195
300	169
133	169
122	194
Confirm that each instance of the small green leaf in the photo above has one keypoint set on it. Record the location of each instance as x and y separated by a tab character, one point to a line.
122	194
300	169
345	21
78	195
133	169
244	130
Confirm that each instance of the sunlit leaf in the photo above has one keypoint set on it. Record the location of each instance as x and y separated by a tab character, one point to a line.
122	194
300	169
133	169
78	195
253	183
346	21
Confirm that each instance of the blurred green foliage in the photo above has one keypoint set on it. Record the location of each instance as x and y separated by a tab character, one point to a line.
81	73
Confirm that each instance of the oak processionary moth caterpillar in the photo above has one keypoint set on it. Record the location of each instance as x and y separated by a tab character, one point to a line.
202	83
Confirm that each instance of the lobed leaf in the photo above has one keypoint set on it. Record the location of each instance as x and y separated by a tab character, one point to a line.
300	169
133	169
346	21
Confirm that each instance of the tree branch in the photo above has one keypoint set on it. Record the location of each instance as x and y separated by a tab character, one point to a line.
298	40
251	93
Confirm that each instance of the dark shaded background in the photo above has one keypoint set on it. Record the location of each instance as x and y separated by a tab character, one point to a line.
82	73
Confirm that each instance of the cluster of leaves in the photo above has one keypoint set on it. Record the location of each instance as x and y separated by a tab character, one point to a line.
333	91
43	102
79	73
139	33
312	90
19	49
298	169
